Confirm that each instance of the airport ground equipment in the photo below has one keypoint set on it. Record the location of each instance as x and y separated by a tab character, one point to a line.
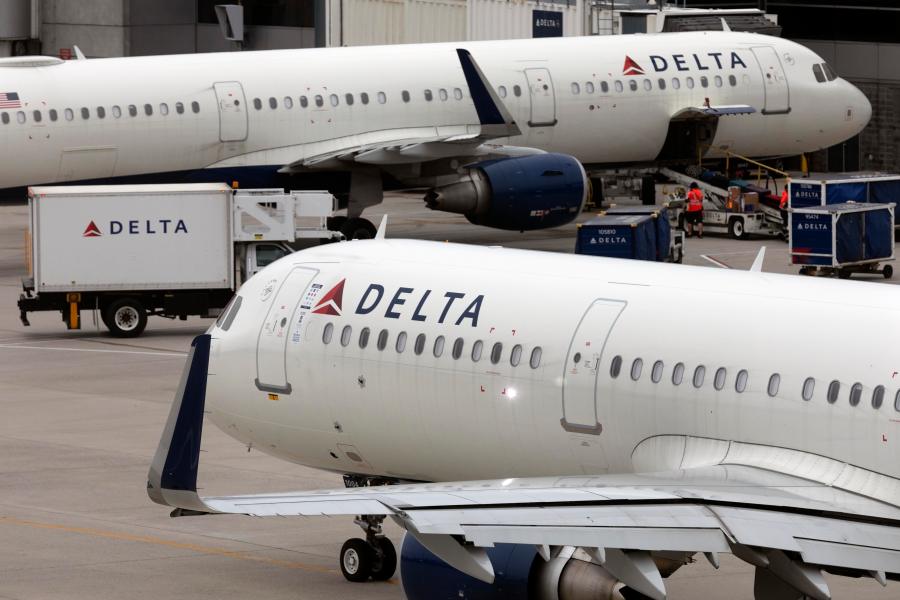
618	236
836	188
129	252
669	238
842	239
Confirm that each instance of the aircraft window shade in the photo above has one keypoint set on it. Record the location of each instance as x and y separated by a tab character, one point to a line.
101	112
661	83
615	367
517	91
809	387
442	94
364	97
429	96
678	374
304	102
229	318
632	85
148	110
346	334
732	80
774	384
589	87
834	389
327	333
164	109
477	349
382	339
404	95
718	80
657	372
319	101
829	72
689	82
438	346
515	357
419	346
878	397
740	382
704	81
117	111
400	345
333	99
288	102
604	87
20	117
535	361
576	89
132	110
496	353
699	376
273	103
85	113
257	104
719	379
382	98
648	85
195	107
69	114
5	118
619	86
457	93
636	367
458	348
856	394
36	115
676	83
348	98
897	401
364	337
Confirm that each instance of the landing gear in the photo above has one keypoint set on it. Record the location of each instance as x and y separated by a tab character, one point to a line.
373	557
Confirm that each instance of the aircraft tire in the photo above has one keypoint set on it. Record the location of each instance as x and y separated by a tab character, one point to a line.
358	229
385	559
357	559
125	317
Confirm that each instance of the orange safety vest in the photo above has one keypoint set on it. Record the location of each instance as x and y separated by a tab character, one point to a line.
695	200
784	199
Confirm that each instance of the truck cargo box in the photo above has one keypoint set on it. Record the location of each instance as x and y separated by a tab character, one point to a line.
618	236
139	237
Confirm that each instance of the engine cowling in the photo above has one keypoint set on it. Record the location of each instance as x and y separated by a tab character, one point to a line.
521	193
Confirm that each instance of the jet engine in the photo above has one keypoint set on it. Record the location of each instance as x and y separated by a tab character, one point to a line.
520	573
521	193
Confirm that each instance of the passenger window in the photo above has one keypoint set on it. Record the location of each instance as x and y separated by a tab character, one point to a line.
101	112
636	367
320	102
648	85
179	108
195	107
442	94
834	389
438	346
699	376
704	82
897	401
619	86
117	111
809	386
273	103
236	306
678	374
429	96
381	98
333	98
148	110
36	115
400	346
515	357
604	87
689	82
477	349
517	91
576	89
719	379
878	397
364	98
718	80
404	95
740	383
69	114
20	117
164	109
662	83
132	110
657	372
304	102
419	346
615	367
85	113
589	87
346	334
457	93
257	104
382	339
288	102
458	348
855	394
774	384
496	352
732	80
676	83
348	98
364	337
53	114
535	361
632	85
327	333
5	118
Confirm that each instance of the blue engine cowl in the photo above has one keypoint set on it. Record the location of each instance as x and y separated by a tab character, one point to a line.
523	193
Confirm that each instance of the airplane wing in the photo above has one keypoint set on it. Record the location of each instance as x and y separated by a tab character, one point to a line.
790	528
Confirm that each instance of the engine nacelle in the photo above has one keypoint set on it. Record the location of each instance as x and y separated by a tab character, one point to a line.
527	192
519	574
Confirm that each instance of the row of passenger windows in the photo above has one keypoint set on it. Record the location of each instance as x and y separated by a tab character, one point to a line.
742	380
437	348
350	99
619	86
100	112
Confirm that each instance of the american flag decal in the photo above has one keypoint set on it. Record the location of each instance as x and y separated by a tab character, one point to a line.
10	100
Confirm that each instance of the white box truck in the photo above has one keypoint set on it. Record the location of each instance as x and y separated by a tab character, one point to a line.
128	252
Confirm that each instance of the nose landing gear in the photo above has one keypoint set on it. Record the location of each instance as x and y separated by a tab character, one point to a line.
373	557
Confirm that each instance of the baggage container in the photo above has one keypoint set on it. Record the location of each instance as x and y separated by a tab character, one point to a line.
669	246
618	236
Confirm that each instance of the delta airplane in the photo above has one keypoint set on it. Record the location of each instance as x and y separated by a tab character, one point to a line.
498	131
549	425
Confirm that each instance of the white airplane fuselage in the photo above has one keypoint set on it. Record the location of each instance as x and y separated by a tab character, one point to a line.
290	378
107	118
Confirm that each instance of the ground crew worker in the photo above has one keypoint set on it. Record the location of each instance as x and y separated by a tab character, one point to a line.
694	214
782	208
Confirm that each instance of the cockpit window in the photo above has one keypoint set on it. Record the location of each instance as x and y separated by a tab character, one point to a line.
829	72
229	313
820	75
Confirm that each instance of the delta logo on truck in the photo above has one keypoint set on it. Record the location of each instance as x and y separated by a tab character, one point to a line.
138	227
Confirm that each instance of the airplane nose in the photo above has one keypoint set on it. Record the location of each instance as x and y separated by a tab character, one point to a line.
863	109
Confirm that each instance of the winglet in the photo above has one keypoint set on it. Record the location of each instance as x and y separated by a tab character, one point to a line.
757	265
725	26
79	55
382	228
495	119
172	480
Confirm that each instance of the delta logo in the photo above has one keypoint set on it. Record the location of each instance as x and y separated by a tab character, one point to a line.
631	67
331	302
91	230
686	62
137	227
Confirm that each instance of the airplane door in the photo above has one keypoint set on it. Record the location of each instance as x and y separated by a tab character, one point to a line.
583	365
775	83
232	111
543	98
271	347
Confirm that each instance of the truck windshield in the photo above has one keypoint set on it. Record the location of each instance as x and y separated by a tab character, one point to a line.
266	254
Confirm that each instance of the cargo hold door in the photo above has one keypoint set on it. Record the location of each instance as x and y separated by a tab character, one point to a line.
232	111
543	98
271	347
583	365
774	81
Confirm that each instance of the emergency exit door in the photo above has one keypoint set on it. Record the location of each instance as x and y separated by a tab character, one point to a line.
543	98
583	364
232	111
271	346
774	81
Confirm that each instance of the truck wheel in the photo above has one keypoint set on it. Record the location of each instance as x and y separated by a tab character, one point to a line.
888	271
125	317
358	229
736	229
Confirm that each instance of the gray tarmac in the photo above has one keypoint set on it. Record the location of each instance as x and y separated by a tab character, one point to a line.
80	417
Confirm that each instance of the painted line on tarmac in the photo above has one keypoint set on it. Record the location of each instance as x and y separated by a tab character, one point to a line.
55	348
715	261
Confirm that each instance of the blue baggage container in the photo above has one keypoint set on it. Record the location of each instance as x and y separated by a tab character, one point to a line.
618	236
839	188
842	235
662	225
